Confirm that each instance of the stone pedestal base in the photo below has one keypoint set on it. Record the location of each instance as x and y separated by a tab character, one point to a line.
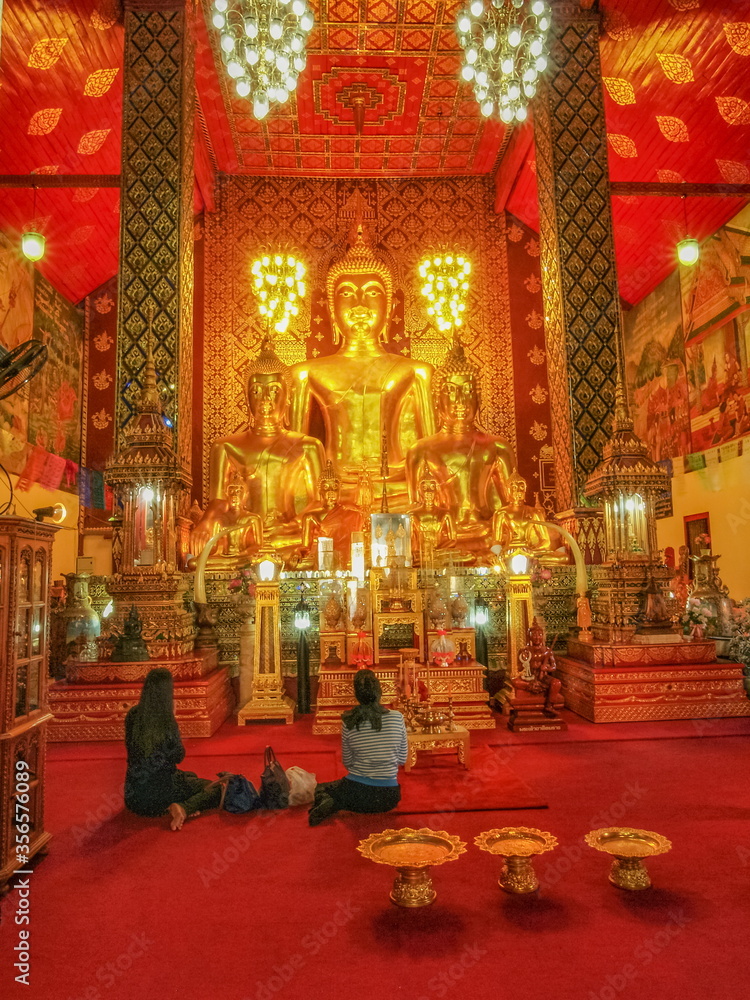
530	716
465	681
96	711
608	682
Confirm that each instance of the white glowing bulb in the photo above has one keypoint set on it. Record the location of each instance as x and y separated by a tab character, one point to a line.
490	41
536	47
471	55
477	8
467	72
299	7
306	21
235	69
218	20
521	114
519	563
464	23
266	570
514	35
506	114
243	87
538	7
487	108
147	494
541	63
227	43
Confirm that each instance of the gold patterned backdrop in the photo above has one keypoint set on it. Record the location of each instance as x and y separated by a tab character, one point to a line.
405	218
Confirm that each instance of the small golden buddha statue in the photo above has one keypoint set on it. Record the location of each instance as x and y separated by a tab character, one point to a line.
516	525
470	466
363	391
278	469
333	519
433	526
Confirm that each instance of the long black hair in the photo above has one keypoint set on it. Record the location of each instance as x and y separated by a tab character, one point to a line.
154	720
368	692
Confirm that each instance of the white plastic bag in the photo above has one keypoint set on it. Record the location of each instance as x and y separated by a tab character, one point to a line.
302	786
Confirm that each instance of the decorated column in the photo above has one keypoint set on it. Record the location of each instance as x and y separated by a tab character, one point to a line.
579	277
156	250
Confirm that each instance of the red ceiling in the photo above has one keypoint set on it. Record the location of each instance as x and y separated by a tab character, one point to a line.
677	98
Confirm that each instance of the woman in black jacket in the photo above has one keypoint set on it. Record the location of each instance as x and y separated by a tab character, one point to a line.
153	785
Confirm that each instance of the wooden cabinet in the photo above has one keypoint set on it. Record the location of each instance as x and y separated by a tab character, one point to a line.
25	553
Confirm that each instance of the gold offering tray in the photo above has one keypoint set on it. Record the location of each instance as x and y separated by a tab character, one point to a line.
516	841
628	847
411	848
518	845
625	842
412	852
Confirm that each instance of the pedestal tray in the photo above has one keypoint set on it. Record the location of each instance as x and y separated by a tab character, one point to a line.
412	852
518	845
628	847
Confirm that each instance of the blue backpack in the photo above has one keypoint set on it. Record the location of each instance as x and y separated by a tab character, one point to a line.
240	795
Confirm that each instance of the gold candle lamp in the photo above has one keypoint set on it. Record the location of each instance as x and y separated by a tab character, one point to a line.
517	845
629	848
412	853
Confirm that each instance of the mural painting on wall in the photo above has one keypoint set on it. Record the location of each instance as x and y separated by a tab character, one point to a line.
55	393
16	327
716	313
656	372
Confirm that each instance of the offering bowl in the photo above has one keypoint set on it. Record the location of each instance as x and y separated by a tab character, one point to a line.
628	847
412	853
518	845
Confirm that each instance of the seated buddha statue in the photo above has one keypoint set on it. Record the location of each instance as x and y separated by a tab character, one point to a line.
432	526
470	466
517	526
333	519
370	400
273	472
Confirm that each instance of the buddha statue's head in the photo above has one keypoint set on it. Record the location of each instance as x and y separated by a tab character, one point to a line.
329	486
456	389
517	488
268	389
359	289
535	634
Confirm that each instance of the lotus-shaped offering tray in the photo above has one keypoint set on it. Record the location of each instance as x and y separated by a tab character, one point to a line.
628	847
518	845
412	853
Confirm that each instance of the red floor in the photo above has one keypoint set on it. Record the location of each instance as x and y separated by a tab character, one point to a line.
249	909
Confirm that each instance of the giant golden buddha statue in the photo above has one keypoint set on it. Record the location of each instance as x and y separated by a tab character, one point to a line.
470	466
365	393
274	471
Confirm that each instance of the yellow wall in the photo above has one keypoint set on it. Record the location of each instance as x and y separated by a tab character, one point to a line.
722	489
65	546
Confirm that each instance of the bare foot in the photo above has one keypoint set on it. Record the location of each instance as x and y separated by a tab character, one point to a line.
178	815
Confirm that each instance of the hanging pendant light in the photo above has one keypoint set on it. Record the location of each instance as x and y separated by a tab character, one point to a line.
688	249
33	243
505	47
263	46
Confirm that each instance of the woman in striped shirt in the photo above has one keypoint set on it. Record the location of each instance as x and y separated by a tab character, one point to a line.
373	744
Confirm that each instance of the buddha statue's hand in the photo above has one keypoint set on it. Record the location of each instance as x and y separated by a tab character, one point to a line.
217	516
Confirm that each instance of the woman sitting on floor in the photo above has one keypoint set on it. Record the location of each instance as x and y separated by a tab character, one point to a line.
373	744
153	785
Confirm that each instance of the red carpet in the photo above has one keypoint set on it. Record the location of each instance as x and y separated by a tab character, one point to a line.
252	909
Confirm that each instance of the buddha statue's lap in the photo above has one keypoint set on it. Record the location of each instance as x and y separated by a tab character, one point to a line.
367	396
257	477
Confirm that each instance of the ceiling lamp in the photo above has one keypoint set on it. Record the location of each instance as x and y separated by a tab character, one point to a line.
446	287
688	249
32	245
505	48
279	286
263	45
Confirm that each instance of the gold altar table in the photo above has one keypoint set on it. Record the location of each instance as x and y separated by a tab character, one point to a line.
458	739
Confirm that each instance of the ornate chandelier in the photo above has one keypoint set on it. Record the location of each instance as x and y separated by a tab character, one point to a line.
505	46
263	47
279	286
446	287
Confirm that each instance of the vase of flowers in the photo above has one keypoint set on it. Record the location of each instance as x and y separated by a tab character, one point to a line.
703	543
696	618
242	587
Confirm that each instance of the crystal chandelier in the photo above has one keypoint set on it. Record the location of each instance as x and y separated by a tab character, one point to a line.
279	286
446	287
263	47
505	44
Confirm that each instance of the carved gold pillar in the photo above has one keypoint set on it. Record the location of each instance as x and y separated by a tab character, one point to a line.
156	209
579	277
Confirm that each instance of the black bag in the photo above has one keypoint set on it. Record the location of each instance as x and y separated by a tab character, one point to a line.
240	795
274	784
